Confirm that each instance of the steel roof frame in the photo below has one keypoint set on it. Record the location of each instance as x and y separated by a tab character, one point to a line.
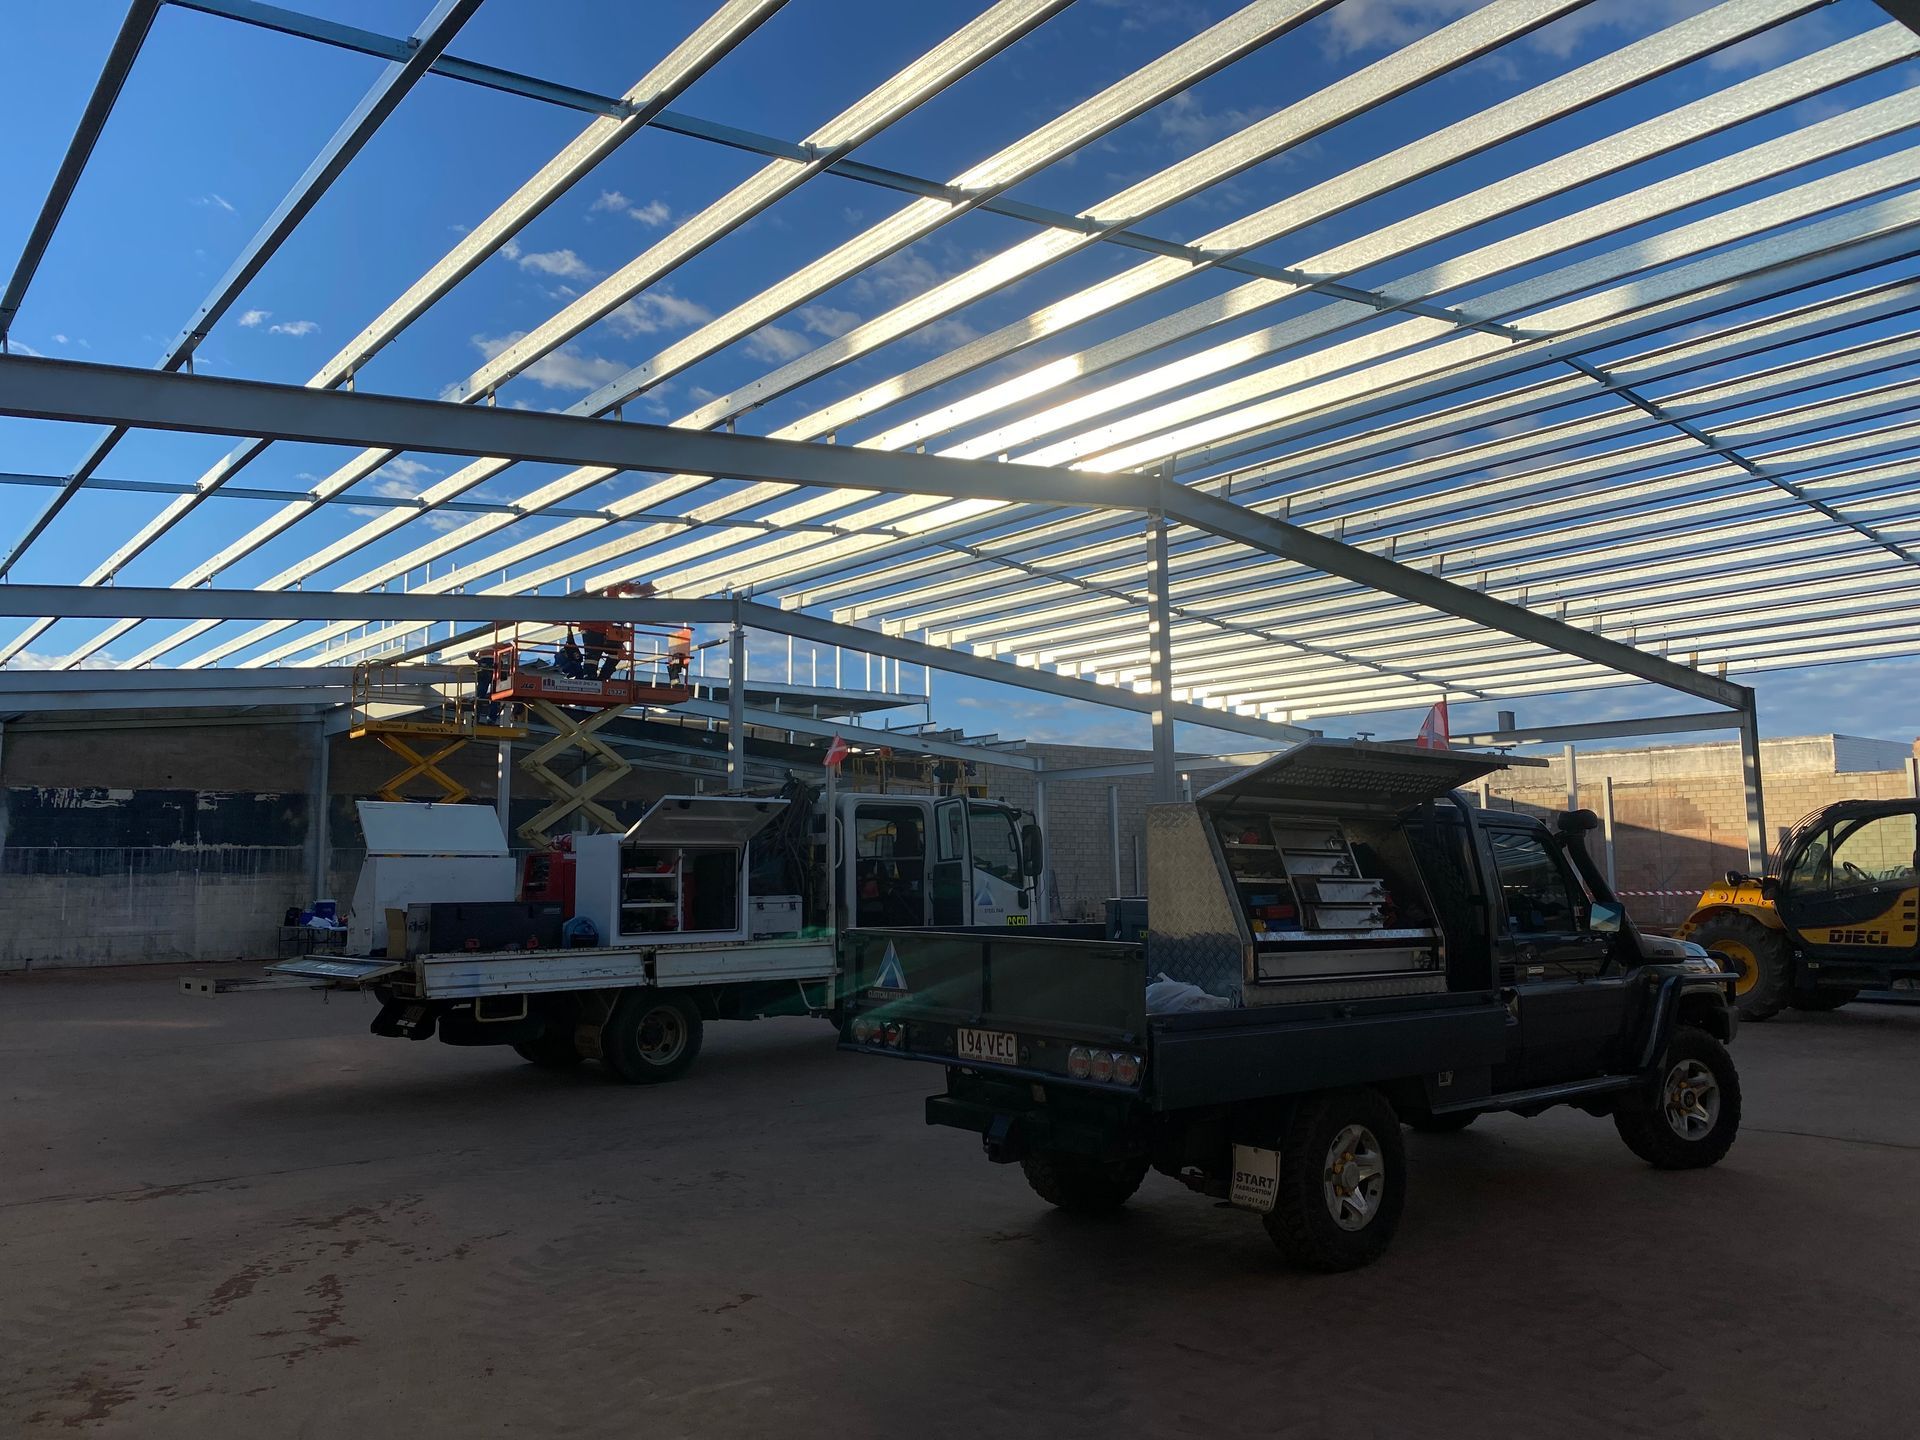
1236	444
1700	35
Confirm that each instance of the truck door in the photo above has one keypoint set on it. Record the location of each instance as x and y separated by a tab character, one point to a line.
889	864
1852	888
998	880
951	902
1570	1014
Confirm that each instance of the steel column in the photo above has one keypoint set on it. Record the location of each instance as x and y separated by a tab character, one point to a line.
736	702
1573	776
319	837
1042	903
1606	829
1113	835
503	788
1757	846
1160	660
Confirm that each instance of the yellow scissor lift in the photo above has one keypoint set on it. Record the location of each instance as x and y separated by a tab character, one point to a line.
573	693
386	706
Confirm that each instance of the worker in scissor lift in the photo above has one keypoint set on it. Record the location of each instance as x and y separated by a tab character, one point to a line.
607	644
679	655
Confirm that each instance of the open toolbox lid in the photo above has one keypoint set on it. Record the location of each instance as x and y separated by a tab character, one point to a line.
705	819
1354	774
412	827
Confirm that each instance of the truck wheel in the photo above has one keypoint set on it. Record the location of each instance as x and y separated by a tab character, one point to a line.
1692	1112
1081	1184
1343	1181
1759	956
552	1051
1819	1000
651	1037
1442	1124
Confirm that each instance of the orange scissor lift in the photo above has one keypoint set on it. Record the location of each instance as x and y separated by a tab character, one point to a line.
574	689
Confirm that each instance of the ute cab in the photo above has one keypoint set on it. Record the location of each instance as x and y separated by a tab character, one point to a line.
1839	913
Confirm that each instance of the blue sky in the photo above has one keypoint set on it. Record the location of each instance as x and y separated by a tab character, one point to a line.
219	119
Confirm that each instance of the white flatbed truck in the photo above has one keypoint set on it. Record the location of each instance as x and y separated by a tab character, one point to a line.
681	907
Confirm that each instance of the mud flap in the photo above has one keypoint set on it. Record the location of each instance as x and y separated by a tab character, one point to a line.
413	1021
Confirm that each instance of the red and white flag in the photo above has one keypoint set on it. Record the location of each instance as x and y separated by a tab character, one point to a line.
836	752
1433	730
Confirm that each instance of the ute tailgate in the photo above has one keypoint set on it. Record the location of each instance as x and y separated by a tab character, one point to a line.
1008	1001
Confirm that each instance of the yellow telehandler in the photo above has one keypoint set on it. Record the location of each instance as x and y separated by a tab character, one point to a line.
1838	914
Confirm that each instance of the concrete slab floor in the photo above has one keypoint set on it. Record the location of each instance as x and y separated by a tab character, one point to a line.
246	1216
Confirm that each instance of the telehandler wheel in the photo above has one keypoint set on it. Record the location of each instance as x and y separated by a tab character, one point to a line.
651	1037
1081	1184
1691	1111
1442	1124
1343	1181
1761	958
1821	999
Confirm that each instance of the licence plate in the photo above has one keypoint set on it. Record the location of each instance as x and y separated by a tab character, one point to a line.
992	1045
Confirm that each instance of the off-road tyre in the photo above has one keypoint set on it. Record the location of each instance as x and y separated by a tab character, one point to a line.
1304	1222
1449	1124
1760	956
1671	1136
1080	1184
1820	999
651	1038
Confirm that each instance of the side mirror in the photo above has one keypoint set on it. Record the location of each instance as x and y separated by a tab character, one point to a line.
1033	855
1605	918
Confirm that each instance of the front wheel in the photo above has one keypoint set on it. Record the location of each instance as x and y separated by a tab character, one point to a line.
650	1037
1693	1113
1343	1181
1080	1183
1760	958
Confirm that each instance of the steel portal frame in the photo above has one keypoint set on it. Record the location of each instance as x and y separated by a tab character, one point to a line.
1316	557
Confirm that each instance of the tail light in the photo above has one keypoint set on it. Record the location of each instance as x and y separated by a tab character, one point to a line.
1102	1065
1126	1068
895	1035
862	1030
1079	1062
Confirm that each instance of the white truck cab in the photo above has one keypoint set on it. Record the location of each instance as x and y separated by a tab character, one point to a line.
905	860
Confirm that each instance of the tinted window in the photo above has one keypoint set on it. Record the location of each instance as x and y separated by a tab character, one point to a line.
890	848
996	849
1538	899
1857	852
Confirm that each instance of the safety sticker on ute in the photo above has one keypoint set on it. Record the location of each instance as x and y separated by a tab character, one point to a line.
891	978
1256	1178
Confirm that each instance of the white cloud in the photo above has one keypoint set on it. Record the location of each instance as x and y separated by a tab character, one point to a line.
295	328
827	320
20	347
563	263
38	660
612	202
1183	118
510	249
401	476
253	317
775	345
59	339
213	201
657	310
898	277
948	334
568	368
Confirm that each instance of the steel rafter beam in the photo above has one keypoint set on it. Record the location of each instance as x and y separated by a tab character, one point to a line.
93	119
428	42
63	390
100	602
708	43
